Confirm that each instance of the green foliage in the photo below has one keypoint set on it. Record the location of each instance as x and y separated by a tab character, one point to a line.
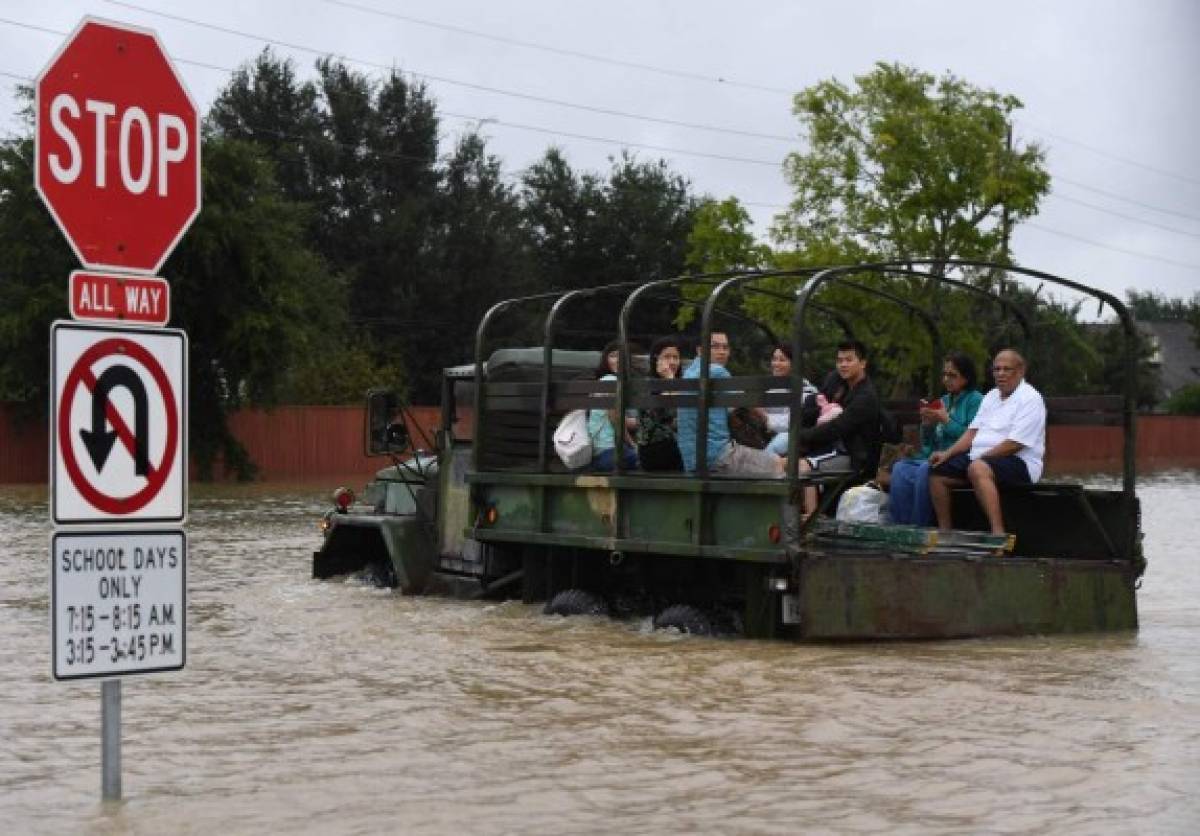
1151	306
251	296
478	258
422	245
266	104
587	231
35	261
904	165
1185	401
720	239
907	165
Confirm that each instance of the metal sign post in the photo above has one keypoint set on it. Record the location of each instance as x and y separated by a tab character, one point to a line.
110	740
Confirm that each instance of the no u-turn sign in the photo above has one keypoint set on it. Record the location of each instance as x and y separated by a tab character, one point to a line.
120	415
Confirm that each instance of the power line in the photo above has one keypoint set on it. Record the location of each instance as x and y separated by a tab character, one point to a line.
592	138
640	66
483	88
62	34
1126	217
1101	152
558	102
1125	199
516	125
587	56
622	142
1134	253
676	73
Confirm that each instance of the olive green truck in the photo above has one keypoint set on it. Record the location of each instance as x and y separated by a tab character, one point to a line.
483	507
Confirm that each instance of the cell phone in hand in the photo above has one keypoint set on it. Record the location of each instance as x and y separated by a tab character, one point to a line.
934	404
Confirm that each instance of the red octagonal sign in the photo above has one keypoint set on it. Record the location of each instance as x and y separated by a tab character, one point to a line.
118	147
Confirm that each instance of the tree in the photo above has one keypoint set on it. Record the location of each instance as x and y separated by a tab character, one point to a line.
909	166
643	222
720	239
362	157
35	261
560	208
478	257
254	300
1151	306
266	104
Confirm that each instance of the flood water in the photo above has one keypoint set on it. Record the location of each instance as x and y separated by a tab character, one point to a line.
333	707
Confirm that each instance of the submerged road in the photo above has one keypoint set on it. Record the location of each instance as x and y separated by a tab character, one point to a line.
310	707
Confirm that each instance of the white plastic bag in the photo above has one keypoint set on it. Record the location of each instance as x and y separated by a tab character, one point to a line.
864	504
572	441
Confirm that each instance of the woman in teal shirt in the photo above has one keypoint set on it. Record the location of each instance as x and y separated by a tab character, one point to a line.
909	501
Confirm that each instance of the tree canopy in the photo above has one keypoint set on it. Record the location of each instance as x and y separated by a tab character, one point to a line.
344	245
906	165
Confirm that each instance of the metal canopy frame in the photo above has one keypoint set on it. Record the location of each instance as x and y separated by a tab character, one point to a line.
813	280
1129	474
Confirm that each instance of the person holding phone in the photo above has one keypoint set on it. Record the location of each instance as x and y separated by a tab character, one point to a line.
943	421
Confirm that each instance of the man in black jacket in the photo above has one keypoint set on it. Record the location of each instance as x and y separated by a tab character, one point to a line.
850	440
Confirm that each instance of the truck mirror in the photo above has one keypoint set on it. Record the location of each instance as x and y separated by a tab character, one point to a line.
387	434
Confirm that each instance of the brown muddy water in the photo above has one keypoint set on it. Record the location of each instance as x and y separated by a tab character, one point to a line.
333	707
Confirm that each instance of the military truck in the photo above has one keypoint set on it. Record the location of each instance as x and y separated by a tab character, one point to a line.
484	508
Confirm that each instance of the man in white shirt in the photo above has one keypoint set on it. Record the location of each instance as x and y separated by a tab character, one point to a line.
1003	446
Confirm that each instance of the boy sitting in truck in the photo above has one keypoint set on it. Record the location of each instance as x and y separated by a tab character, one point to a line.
724	455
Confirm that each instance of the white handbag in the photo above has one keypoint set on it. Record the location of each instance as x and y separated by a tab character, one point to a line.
572	441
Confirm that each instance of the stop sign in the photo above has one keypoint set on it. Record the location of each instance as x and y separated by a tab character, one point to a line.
117	147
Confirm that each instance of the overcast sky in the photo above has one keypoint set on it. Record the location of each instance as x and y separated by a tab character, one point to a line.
1109	88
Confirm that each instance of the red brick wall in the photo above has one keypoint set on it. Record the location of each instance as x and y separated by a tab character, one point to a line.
307	443
24	448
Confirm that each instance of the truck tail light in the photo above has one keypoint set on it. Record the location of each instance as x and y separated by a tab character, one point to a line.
343	498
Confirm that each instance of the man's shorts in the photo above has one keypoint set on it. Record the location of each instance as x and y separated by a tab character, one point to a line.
740	460
832	462
1009	470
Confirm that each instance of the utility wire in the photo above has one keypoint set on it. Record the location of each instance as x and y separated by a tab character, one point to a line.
674	150
1121	197
1096	208
1135	253
587	56
458	83
669	71
1101	152
623	143
516	125
646	146
556	102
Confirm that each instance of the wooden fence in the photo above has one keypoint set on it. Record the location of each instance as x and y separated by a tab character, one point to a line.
319	443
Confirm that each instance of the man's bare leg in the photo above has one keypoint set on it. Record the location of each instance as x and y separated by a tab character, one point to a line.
983	480
939	495
810	491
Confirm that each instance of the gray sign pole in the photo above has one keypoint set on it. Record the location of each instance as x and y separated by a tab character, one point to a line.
110	739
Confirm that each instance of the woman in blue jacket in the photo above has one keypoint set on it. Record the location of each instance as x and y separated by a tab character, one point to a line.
941	425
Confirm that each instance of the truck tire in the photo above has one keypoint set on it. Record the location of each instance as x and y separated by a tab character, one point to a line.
686	619
576	602
380	573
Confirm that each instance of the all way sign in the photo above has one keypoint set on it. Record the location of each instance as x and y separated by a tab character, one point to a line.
120	415
141	300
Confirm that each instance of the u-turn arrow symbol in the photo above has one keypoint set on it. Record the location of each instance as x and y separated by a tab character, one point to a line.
99	441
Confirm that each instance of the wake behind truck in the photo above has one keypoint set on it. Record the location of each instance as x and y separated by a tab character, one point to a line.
491	512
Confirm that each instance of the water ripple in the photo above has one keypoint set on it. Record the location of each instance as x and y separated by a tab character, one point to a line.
338	708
